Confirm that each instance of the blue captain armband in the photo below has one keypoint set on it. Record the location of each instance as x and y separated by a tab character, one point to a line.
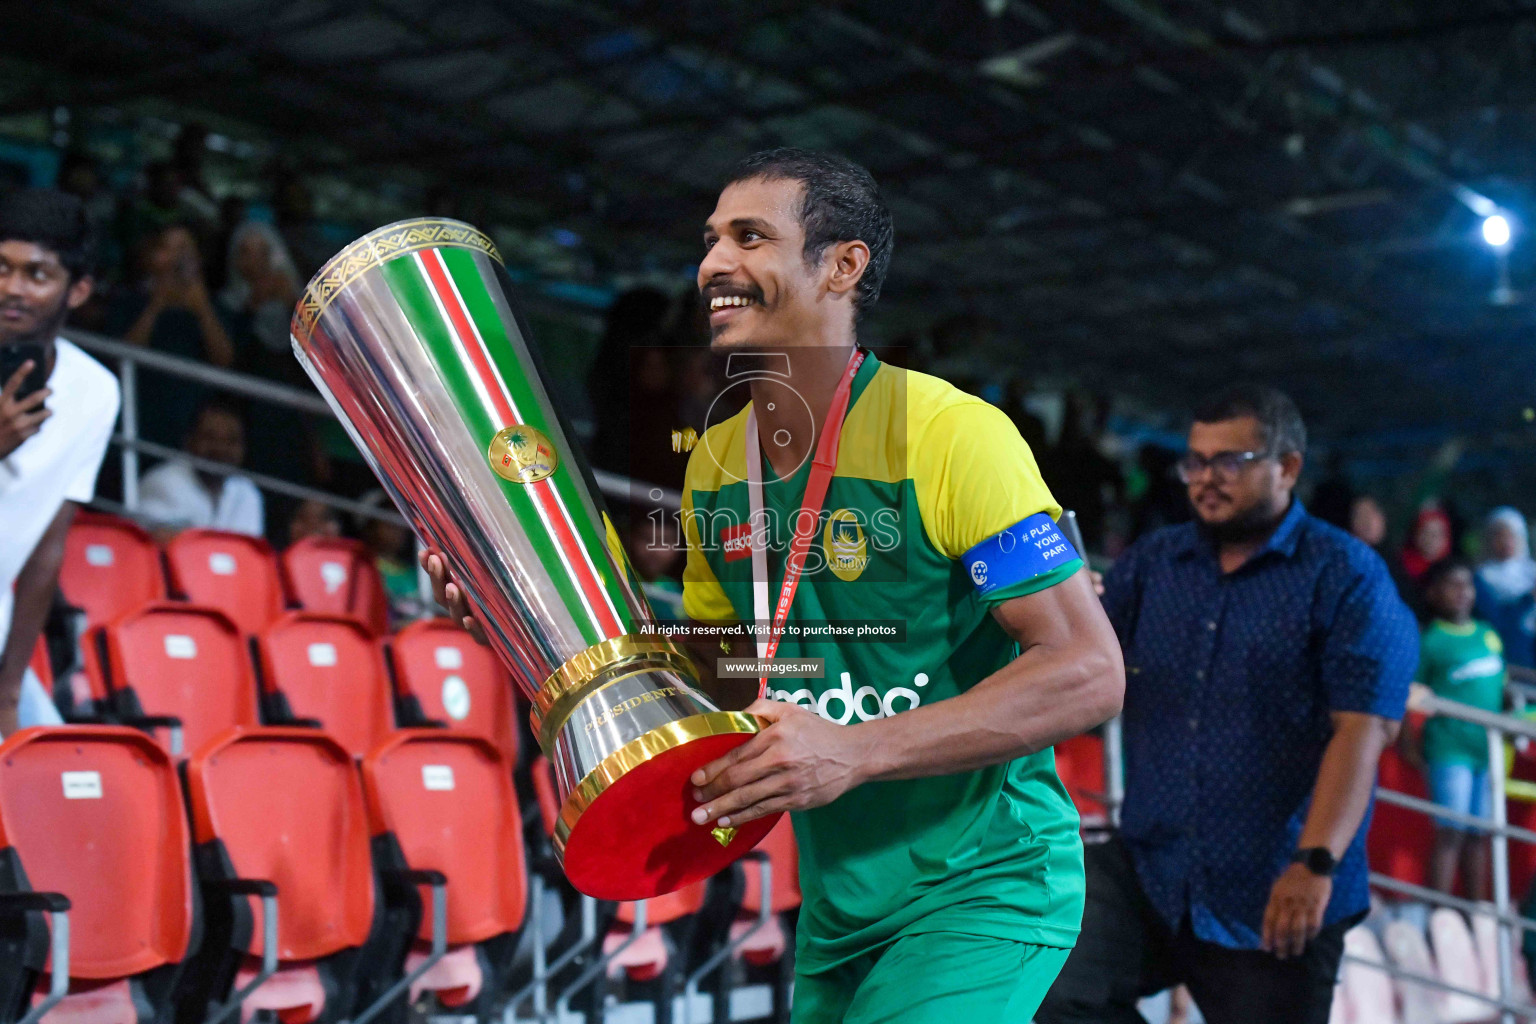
1029	550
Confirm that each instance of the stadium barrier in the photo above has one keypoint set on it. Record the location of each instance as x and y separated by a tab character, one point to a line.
131	359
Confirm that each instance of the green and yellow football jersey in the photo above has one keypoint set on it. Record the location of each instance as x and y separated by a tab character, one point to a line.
927	476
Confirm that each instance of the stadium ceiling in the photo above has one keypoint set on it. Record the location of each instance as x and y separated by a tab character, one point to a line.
1150	197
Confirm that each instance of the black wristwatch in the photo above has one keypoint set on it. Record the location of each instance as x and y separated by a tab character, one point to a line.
1318	860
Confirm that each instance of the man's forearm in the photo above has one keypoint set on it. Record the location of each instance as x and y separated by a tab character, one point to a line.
220	351
1044	696
33	596
1345	780
143	328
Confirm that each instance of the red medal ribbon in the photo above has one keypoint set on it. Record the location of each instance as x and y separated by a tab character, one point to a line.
822	467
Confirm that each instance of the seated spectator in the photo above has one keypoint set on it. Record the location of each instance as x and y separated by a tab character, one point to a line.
1505	584
174	496
1460	659
170	311
313	519
263	287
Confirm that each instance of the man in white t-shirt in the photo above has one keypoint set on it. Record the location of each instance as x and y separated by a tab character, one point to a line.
50	452
174	496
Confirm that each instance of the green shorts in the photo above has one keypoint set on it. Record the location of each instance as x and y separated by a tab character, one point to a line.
932	978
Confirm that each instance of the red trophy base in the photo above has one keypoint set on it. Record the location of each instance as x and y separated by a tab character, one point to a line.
636	839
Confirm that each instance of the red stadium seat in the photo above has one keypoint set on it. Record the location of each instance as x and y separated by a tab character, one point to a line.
760	933
441	673
174	659
766	945
283	805
96	814
232	572
326	668
93	666
338	577
1398	844
647	958
444	801
1522	856
1080	765
111	566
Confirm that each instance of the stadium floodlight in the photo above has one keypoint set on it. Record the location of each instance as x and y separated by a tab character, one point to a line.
1496	230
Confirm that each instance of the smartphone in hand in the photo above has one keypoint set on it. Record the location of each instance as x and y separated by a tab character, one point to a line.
11	358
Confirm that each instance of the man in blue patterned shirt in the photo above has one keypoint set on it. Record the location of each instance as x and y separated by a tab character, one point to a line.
1267	660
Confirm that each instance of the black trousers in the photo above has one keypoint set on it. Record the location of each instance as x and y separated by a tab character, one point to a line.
1127	952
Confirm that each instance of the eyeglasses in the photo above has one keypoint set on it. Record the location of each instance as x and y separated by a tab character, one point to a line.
1224	465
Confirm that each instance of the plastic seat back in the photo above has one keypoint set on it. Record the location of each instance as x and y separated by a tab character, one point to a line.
286	805
1399	841
1459	965
178	659
1522	856
95	812
1364	994
784	859
1406	947
1080	765
441	673
449	804
670	907
232	572
326	667
337	576
111	566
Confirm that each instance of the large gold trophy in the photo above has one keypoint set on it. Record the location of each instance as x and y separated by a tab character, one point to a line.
409	334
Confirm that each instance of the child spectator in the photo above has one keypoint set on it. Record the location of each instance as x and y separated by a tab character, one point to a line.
1460	659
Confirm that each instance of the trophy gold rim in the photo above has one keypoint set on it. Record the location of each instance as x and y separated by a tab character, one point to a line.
376	248
603	663
637	752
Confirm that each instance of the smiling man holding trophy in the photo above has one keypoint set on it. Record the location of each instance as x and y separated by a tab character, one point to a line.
940	863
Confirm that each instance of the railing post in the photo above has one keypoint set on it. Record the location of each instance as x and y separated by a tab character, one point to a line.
1500	868
129	377
1114	770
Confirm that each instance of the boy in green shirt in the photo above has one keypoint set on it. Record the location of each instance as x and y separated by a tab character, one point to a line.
1460	659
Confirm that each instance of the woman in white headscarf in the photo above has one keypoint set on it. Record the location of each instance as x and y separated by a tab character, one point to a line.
263	286
1505	583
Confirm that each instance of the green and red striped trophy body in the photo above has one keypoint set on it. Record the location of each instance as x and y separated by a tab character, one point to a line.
409	334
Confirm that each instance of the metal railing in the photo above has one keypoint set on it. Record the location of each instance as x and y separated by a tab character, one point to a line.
132	359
